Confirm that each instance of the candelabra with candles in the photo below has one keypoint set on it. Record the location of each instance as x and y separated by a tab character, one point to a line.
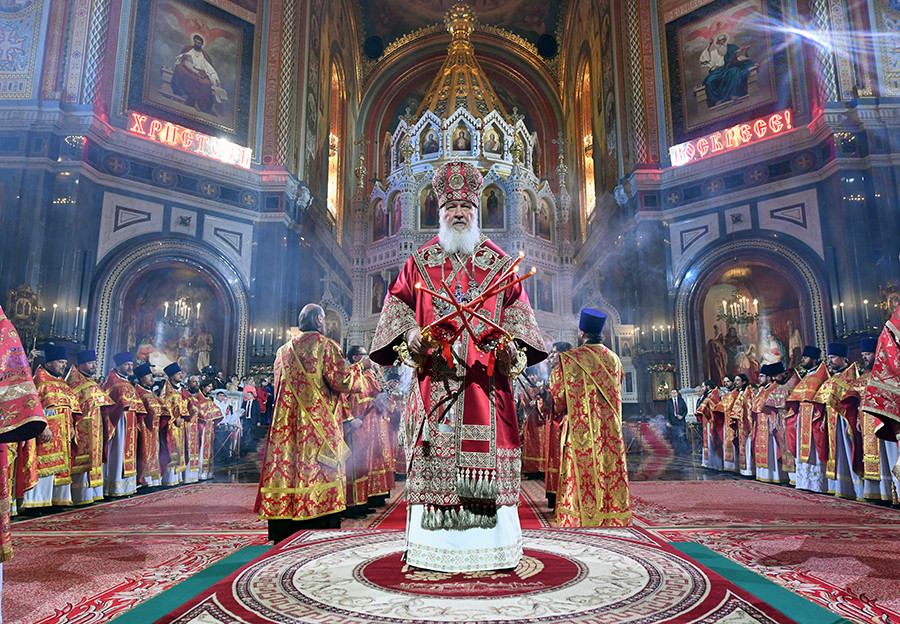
263	342
181	313
657	340
850	323
68	324
740	310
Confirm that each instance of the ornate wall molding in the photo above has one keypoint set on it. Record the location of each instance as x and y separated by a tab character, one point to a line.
108	291
685	295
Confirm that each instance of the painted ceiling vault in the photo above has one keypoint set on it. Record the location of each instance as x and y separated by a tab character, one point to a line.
392	19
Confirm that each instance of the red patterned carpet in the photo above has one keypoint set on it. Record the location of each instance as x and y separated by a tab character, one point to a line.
599	576
852	571
742	503
201	507
92	564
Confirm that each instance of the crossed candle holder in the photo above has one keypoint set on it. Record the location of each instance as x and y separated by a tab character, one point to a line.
444	331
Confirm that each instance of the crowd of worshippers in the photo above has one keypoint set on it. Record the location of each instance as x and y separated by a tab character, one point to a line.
108	436
808	426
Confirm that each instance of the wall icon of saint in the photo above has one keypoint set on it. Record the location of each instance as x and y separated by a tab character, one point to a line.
396	214
379	221
491	208
462	141
492	143
428	217
430	143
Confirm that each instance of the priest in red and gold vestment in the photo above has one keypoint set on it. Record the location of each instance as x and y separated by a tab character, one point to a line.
302	485
359	436
882	396
21	418
53	451
811	450
553	431
171	427
843	466
586	388
712	445
87	453
191	429
120	424
877	455
204	412
460	428
148	471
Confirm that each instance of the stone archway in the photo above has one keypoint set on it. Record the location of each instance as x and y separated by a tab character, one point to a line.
789	297
127	283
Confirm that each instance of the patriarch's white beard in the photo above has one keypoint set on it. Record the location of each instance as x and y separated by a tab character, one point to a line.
454	241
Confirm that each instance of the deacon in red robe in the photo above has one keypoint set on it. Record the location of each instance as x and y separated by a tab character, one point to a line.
586	389
460	428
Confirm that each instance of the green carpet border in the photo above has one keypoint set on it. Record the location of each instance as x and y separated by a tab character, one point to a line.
177	595
796	607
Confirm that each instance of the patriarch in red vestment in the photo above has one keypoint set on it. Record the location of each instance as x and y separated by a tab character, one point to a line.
460	429
586	389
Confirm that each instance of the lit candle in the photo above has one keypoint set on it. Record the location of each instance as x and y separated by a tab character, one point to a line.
670	337
271	337
843	321
83	321
166	315
834	314
77	314
866	310
637	336
755	306
653	336
198	311
724	308
53	317
254	339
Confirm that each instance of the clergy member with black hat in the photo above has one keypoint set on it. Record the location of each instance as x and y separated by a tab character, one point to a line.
585	391
52	458
171	429
148	471
120	425
809	360
843	477
87	447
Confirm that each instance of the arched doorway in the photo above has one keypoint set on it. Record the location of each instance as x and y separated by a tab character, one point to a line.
744	305
149	301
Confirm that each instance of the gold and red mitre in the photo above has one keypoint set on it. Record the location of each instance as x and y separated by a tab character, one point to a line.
457	181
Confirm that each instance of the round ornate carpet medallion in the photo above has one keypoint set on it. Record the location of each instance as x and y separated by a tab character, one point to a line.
537	572
598	578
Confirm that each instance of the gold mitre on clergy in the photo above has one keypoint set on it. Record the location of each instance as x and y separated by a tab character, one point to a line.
457	180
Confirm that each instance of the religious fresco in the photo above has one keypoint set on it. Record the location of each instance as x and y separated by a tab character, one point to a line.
751	317
526	18
173	314
191	64
543	221
22	41
723	62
